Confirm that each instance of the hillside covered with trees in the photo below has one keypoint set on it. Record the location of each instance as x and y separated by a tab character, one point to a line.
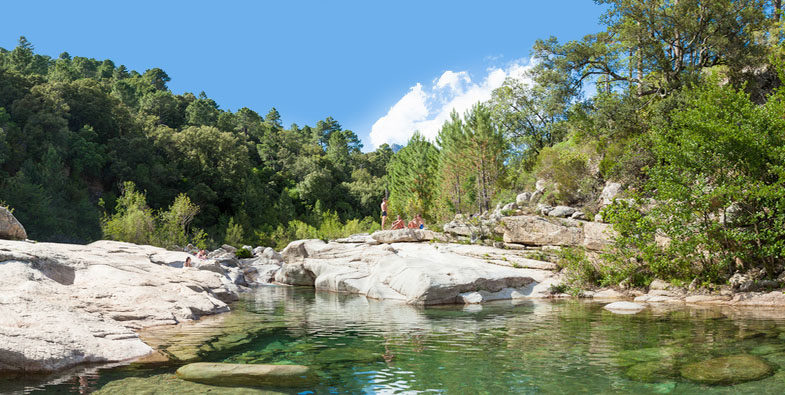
74	131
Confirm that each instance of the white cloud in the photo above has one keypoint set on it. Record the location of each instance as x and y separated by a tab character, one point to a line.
426	109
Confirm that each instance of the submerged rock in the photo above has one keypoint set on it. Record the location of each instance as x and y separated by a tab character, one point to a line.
733	369
229	374
652	371
170	384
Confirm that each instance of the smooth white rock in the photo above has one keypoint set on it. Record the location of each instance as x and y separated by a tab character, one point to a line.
624	307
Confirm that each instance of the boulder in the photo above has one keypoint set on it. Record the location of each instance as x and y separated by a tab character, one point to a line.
416	273
658	284
477	230
597	236
294	274
578	215
540	185
624	307
551	231
561	211
543	209
210	265
536	196
249	249
732	369
523	199
534	230
63	305
233	375
258	251
228	248
609	193
402	235
299	249
509	207
261	274
224	256
271	254
10	228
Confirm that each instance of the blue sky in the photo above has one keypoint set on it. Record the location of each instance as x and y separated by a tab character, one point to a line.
386	67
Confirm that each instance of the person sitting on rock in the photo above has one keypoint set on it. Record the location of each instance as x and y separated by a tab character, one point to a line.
202	254
413	223
419	221
397	224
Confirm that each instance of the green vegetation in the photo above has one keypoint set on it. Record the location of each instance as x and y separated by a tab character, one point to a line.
687	115
74	130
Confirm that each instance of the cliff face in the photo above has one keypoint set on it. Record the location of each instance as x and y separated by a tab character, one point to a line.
63	304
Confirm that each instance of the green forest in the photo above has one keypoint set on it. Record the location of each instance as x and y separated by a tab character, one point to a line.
75	131
680	101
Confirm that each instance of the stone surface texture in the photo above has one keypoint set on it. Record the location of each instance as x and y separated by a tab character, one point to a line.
63	304
732	369
229	374
416	273
542	231
10	228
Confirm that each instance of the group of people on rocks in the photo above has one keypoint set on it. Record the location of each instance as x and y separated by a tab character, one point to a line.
202	255
416	223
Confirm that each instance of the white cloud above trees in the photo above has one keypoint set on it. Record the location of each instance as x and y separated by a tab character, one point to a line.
425	108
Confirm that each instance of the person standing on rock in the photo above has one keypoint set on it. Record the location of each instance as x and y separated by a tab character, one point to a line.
384	212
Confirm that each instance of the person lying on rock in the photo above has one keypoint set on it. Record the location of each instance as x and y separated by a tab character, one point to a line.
397	224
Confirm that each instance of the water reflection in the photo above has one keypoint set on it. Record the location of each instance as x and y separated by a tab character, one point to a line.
359	345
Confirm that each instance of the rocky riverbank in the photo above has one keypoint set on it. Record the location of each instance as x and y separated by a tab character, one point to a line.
62	305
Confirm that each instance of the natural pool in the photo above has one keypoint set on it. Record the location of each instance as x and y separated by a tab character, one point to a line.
358	345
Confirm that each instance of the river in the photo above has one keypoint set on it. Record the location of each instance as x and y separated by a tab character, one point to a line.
363	346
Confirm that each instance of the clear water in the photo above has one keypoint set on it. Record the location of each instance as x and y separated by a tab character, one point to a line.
358	345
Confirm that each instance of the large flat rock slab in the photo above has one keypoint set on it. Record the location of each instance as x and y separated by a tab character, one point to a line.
415	273
63	304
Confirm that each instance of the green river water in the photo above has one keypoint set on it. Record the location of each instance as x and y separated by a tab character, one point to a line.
362	346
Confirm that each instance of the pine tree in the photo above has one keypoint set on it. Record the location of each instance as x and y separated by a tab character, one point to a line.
412	174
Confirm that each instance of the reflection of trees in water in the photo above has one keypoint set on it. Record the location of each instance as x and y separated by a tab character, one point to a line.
497	347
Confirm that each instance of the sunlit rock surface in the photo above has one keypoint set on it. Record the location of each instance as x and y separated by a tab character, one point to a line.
63	304
416	273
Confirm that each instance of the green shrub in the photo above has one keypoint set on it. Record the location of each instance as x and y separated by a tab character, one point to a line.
242	253
133	220
567	166
234	234
580	272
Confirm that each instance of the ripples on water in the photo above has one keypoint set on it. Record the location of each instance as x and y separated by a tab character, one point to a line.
359	345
